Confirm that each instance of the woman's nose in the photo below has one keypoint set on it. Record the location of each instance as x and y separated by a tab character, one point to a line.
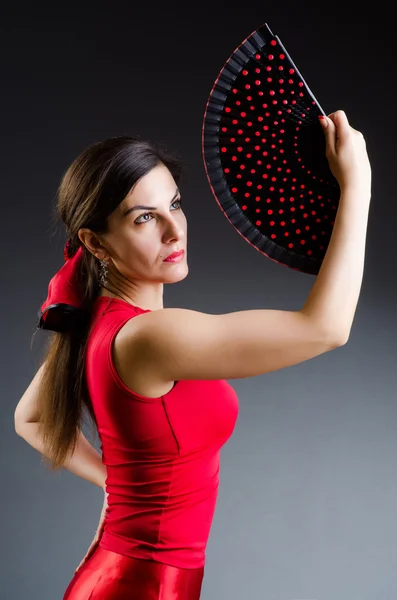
175	230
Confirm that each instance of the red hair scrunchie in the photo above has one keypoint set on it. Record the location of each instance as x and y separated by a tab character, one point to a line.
63	309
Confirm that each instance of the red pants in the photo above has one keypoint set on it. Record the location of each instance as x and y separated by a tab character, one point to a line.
111	576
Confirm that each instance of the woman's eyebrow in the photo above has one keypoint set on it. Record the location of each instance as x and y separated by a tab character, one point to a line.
142	207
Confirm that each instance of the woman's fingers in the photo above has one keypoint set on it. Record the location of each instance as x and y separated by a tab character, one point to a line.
329	132
89	553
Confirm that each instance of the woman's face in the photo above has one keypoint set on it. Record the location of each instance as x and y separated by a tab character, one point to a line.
138	239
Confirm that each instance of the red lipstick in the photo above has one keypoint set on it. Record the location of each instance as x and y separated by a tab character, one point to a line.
175	256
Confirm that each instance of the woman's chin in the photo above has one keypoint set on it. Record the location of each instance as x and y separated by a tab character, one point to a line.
177	272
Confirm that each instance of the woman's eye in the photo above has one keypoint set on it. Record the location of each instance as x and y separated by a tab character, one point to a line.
179	201
140	222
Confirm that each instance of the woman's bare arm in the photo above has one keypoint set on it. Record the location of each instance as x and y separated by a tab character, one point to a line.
85	462
174	344
334	296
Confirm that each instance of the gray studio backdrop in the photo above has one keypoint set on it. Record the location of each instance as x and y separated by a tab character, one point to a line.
308	494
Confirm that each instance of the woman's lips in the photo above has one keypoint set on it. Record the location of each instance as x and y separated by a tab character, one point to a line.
176	257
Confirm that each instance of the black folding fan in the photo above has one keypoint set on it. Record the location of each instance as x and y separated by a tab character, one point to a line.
264	154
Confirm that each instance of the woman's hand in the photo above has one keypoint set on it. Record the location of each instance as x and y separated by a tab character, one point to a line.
98	533
346	152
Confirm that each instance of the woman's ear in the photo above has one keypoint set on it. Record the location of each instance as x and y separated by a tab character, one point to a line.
93	243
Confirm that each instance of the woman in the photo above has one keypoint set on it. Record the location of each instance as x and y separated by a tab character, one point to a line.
153	379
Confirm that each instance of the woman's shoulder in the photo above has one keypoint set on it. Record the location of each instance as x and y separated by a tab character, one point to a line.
131	361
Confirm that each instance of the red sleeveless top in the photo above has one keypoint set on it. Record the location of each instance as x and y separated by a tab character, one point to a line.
162	454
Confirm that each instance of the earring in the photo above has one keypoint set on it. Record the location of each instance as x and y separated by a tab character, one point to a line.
103	272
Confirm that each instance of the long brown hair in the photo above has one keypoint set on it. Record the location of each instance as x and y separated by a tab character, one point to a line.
93	186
